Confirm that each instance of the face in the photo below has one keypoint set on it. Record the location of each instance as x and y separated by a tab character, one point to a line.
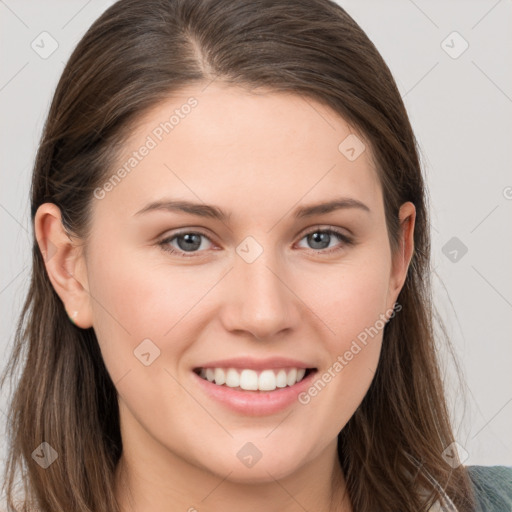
258	281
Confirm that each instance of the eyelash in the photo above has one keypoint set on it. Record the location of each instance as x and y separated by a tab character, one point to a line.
164	244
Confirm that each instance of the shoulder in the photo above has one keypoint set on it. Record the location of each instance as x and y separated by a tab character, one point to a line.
493	487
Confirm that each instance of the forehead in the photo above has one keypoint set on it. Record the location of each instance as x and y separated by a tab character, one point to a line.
229	146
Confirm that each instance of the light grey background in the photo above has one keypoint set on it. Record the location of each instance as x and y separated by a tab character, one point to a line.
460	107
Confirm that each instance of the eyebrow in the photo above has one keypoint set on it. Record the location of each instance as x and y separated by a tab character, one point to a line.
214	212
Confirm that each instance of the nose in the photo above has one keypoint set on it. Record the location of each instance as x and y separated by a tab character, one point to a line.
260	299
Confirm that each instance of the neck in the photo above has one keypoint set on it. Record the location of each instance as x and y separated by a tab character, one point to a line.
180	486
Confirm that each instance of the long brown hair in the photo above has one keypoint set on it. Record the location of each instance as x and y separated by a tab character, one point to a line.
133	57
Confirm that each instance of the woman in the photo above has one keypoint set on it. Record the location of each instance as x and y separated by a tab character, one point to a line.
230	304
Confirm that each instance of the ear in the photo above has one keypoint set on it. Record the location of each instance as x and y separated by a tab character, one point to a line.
403	255
65	264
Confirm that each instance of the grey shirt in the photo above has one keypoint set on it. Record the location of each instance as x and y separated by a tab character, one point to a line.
493	487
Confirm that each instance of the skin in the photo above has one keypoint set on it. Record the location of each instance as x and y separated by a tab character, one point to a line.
259	156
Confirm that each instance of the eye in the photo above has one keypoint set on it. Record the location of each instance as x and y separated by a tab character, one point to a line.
187	241
321	238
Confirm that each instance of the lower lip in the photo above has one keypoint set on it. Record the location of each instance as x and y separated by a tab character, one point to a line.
255	403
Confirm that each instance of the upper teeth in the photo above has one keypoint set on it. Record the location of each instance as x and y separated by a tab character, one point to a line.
250	380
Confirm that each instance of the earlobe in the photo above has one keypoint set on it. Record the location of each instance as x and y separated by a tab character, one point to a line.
64	264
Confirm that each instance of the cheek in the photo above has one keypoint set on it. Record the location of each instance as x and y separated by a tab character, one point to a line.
135	298
130	293
351	301
348	299
139	309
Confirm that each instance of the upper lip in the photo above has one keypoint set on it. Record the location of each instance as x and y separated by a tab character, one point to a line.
256	364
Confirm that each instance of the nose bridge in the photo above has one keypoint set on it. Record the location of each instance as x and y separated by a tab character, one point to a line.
262	302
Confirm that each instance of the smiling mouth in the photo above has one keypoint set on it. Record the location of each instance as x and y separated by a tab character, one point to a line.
253	380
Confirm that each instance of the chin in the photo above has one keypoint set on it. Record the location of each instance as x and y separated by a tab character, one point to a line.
252	466
261	473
